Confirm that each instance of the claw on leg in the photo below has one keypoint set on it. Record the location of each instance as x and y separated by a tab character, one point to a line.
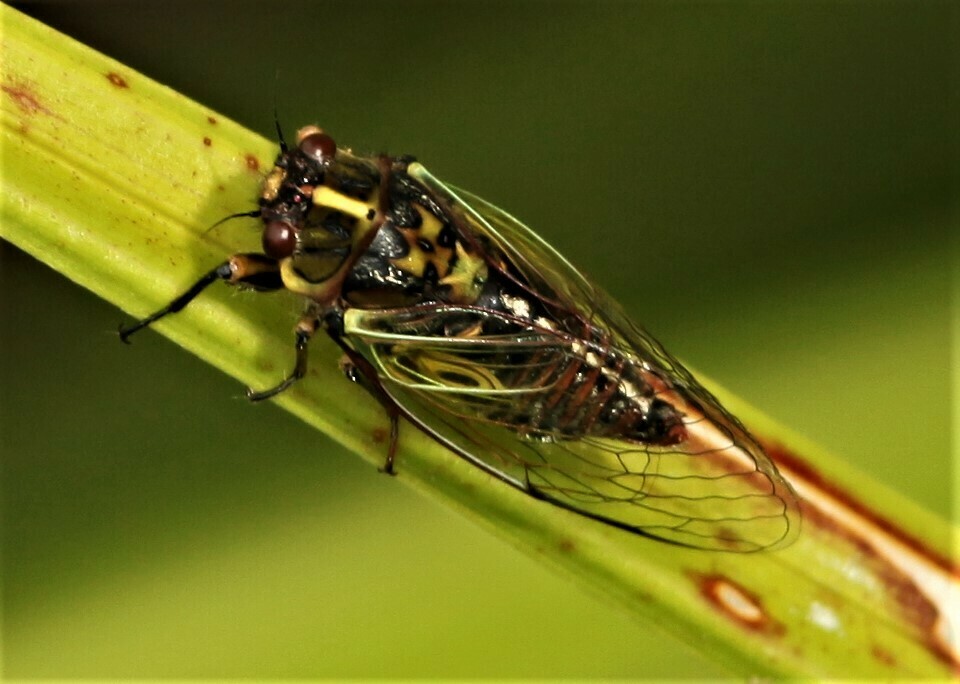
387	466
306	327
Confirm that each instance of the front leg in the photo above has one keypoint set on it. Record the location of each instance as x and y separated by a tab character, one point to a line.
253	270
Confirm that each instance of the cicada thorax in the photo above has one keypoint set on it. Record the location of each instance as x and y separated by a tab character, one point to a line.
417	255
360	232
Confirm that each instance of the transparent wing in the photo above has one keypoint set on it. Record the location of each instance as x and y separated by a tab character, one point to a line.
479	397
716	489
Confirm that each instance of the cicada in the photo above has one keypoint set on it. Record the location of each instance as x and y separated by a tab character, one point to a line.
457	317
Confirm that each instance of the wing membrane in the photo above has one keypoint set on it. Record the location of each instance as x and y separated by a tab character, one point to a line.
716	489
707	492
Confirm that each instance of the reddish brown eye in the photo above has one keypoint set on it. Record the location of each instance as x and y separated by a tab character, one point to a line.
279	239
320	146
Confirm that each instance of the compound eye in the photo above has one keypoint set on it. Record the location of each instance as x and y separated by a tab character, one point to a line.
319	146
279	239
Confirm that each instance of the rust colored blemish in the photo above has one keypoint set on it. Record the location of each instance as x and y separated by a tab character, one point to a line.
220	188
919	607
379	435
916	607
212	120
566	545
117	80
252	162
207	141
804	470
737	603
883	655
25	98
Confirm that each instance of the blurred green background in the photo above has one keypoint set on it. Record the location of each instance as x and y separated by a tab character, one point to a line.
771	189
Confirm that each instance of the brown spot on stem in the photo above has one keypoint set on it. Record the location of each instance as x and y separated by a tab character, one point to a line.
24	97
117	80
379	435
737	603
212	120
883	655
207	141
252	162
795	465
912	573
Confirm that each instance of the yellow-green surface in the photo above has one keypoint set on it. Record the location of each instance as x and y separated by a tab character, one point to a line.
152	527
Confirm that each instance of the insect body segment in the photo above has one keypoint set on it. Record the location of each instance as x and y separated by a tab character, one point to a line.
456	316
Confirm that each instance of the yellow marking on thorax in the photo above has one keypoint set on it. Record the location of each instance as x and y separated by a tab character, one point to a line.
294	282
467	277
327	290
328	197
416	260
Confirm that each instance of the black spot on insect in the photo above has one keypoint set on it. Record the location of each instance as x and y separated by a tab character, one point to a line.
339	224
601	383
405	188
490	298
430	274
403	214
371	214
425	245
389	243
291	195
355	187
446	238
375	282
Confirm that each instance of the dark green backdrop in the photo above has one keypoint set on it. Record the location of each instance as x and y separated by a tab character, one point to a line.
770	188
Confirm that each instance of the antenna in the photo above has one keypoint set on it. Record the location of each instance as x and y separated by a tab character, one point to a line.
276	116
243	214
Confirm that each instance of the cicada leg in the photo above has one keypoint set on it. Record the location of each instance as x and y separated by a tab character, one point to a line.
254	270
359	370
306	327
